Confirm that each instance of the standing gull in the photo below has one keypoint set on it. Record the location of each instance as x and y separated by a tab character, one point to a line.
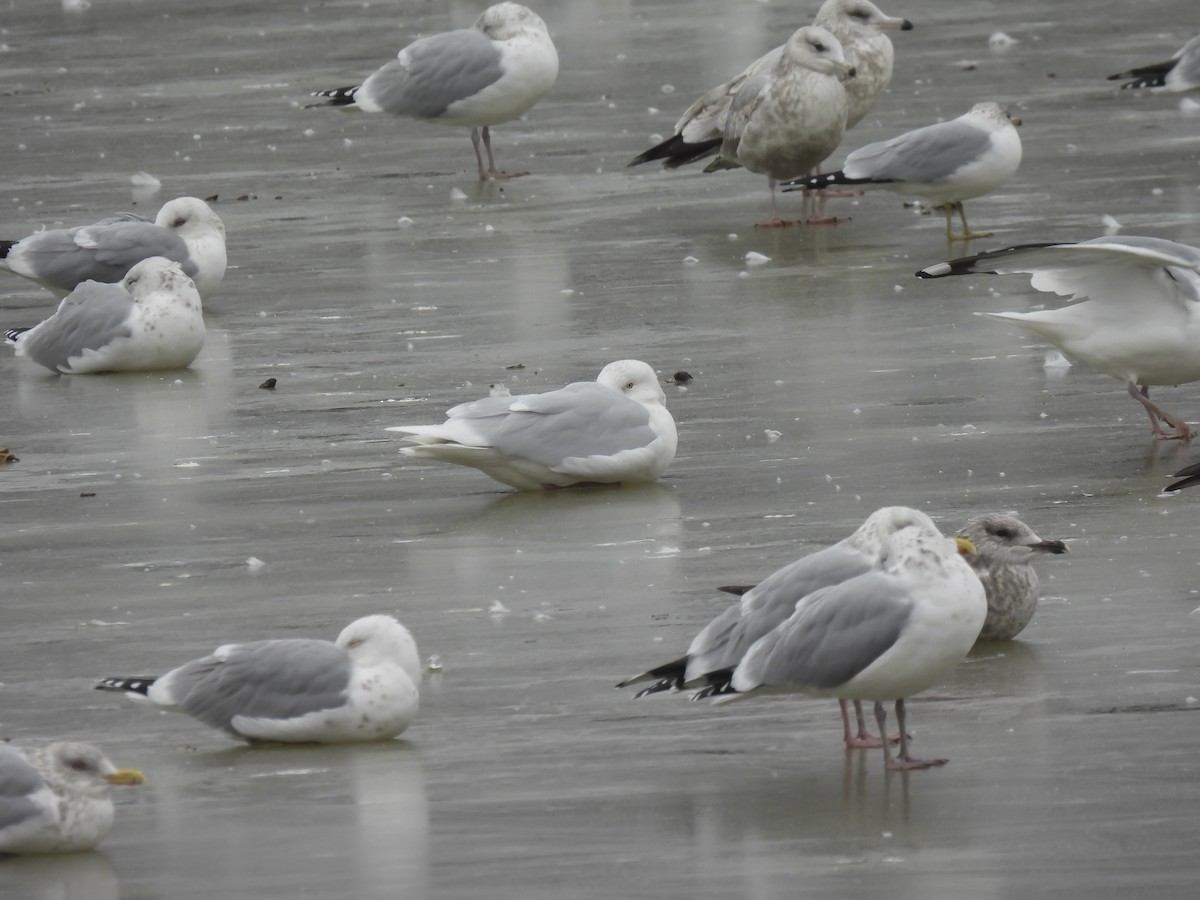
1140	322
613	430
475	77
784	120
946	163
724	641
887	634
55	800
361	687
856	24
1004	549
185	230
151	320
1179	73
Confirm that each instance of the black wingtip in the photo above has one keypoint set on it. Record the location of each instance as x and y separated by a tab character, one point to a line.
135	684
5	247
907	26
675	152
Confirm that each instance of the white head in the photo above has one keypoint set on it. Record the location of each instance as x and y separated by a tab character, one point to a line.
994	114
159	274
189	217
857	17
817	49
85	769
373	640
506	20
635	379
883	523
919	547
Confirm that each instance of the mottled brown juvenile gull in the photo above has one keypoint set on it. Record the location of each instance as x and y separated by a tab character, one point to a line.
151	320
473	77
185	230
724	641
784	120
857	24
1004	549
1140	322
946	163
361	687
55	800
1179	73
613	430
887	634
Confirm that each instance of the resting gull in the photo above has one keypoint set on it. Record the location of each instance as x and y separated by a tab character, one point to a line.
856	24
185	230
886	634
946	163
1140	322
55	799
724	641
1179	73
1004	550
151	320
361	687
475	77
613	430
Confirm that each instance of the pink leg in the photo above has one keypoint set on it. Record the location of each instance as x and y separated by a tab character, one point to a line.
864	739
1156	413
903	761
491	172
775	222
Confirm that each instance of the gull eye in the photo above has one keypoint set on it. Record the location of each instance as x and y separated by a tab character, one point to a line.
1006	533
355	643
179	222
818	46
629	385
79	765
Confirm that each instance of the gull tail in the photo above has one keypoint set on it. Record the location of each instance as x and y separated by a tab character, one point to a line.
667	677
343	96
676	152
817	182
128	684
1151	76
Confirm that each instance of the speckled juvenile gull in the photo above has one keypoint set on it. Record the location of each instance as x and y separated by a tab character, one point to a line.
1179	73
856	24
886	634
723	642
786	119
185	230
475	77
151	320
54	799
1140	322
361	687
946	163
613	430
1004	550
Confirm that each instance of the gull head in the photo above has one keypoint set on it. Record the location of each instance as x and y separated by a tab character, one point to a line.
86	769
377	639
635	379
859	16
189	217
817	49
507	20
999	537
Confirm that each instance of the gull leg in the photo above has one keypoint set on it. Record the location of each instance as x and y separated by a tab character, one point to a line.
903	761
491	172
814	204
1182	431
775	222
864	739
962	215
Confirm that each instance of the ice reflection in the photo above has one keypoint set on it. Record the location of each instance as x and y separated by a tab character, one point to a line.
73	876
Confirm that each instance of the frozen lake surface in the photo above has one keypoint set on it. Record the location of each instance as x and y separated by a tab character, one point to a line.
128	522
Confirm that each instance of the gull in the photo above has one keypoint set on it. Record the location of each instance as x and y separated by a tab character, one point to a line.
1004	549
723	643
361	687
886	634
857	24
185	230
613	430
786	119
151	320
476	77
55	800
1140	322
946	163
1179	73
